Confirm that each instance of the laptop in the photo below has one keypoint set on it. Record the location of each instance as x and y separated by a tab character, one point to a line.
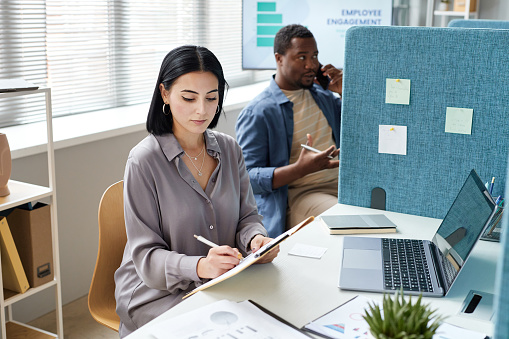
420	266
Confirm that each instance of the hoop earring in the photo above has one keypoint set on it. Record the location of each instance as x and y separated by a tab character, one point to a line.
217	110
164	112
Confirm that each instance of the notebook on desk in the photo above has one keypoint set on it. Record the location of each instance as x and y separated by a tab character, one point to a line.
420	266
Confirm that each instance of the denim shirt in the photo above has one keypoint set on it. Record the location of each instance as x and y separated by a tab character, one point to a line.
264	130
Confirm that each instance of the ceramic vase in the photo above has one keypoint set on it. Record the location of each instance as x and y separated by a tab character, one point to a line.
5	165
443	6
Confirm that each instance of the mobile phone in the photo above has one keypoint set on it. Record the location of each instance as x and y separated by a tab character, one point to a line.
323	80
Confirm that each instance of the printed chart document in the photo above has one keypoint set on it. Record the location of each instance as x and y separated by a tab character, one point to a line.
347	322
252	258
225	319
356	224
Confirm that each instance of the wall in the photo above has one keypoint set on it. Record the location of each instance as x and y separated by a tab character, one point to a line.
488	9
494	9
83	172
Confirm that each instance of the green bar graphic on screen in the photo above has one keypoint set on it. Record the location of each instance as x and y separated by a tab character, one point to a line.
267	30
264	42
266	6
270	18
263	19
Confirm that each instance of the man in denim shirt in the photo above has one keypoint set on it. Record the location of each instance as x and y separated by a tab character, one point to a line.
290	182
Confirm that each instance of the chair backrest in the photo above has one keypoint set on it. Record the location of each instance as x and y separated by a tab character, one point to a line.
479	23
112	240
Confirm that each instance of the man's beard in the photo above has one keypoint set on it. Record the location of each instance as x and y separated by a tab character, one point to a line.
302	85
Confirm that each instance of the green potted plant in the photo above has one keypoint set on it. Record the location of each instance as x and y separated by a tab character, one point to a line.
401	319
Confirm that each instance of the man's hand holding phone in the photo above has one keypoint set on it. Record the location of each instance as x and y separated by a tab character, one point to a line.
329	77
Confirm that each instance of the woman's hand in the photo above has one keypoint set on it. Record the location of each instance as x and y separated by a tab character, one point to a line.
257	242
218	261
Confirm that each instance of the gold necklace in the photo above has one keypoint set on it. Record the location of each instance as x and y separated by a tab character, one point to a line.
196	158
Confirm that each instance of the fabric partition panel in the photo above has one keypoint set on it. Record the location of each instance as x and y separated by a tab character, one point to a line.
479	23
447	67
502	281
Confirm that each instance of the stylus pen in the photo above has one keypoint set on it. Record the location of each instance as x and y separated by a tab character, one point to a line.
313	150
211	244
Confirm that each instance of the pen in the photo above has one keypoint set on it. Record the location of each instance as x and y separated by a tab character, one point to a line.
313	149
269	246
211	244
498	200
492	184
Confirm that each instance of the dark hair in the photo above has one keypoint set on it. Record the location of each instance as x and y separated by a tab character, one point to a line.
180	61
284	37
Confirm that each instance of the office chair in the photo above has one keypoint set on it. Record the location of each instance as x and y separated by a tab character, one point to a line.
112	240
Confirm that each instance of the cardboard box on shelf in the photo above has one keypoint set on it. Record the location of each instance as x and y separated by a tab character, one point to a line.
31	230
459	5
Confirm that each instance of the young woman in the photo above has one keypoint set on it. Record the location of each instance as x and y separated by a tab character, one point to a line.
181	180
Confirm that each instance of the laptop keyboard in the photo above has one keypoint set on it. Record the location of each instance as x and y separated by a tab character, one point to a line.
449	270
405	265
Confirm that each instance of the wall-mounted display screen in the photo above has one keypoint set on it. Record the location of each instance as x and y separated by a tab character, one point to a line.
328	20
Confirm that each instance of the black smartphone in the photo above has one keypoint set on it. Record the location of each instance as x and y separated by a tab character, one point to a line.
323	80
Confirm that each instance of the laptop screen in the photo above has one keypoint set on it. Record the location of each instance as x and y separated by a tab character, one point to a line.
466	219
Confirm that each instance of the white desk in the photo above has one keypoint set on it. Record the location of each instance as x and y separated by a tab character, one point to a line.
301	289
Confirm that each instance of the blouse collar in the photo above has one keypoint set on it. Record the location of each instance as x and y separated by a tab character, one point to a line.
172	149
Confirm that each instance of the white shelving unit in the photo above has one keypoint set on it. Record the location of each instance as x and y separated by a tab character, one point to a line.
22	193
467	14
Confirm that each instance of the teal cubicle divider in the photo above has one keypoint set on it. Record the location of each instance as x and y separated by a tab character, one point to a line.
502	281
479	23
447	67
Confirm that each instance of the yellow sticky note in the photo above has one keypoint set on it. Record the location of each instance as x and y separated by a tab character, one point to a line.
458	120
397	91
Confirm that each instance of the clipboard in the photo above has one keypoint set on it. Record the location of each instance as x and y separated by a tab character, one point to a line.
252	258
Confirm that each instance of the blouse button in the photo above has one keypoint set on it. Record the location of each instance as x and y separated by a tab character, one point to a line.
211	227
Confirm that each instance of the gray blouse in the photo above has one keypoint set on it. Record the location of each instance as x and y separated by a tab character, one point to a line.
164	207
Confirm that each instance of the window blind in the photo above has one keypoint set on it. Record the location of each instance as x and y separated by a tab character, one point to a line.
22	55
100	54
